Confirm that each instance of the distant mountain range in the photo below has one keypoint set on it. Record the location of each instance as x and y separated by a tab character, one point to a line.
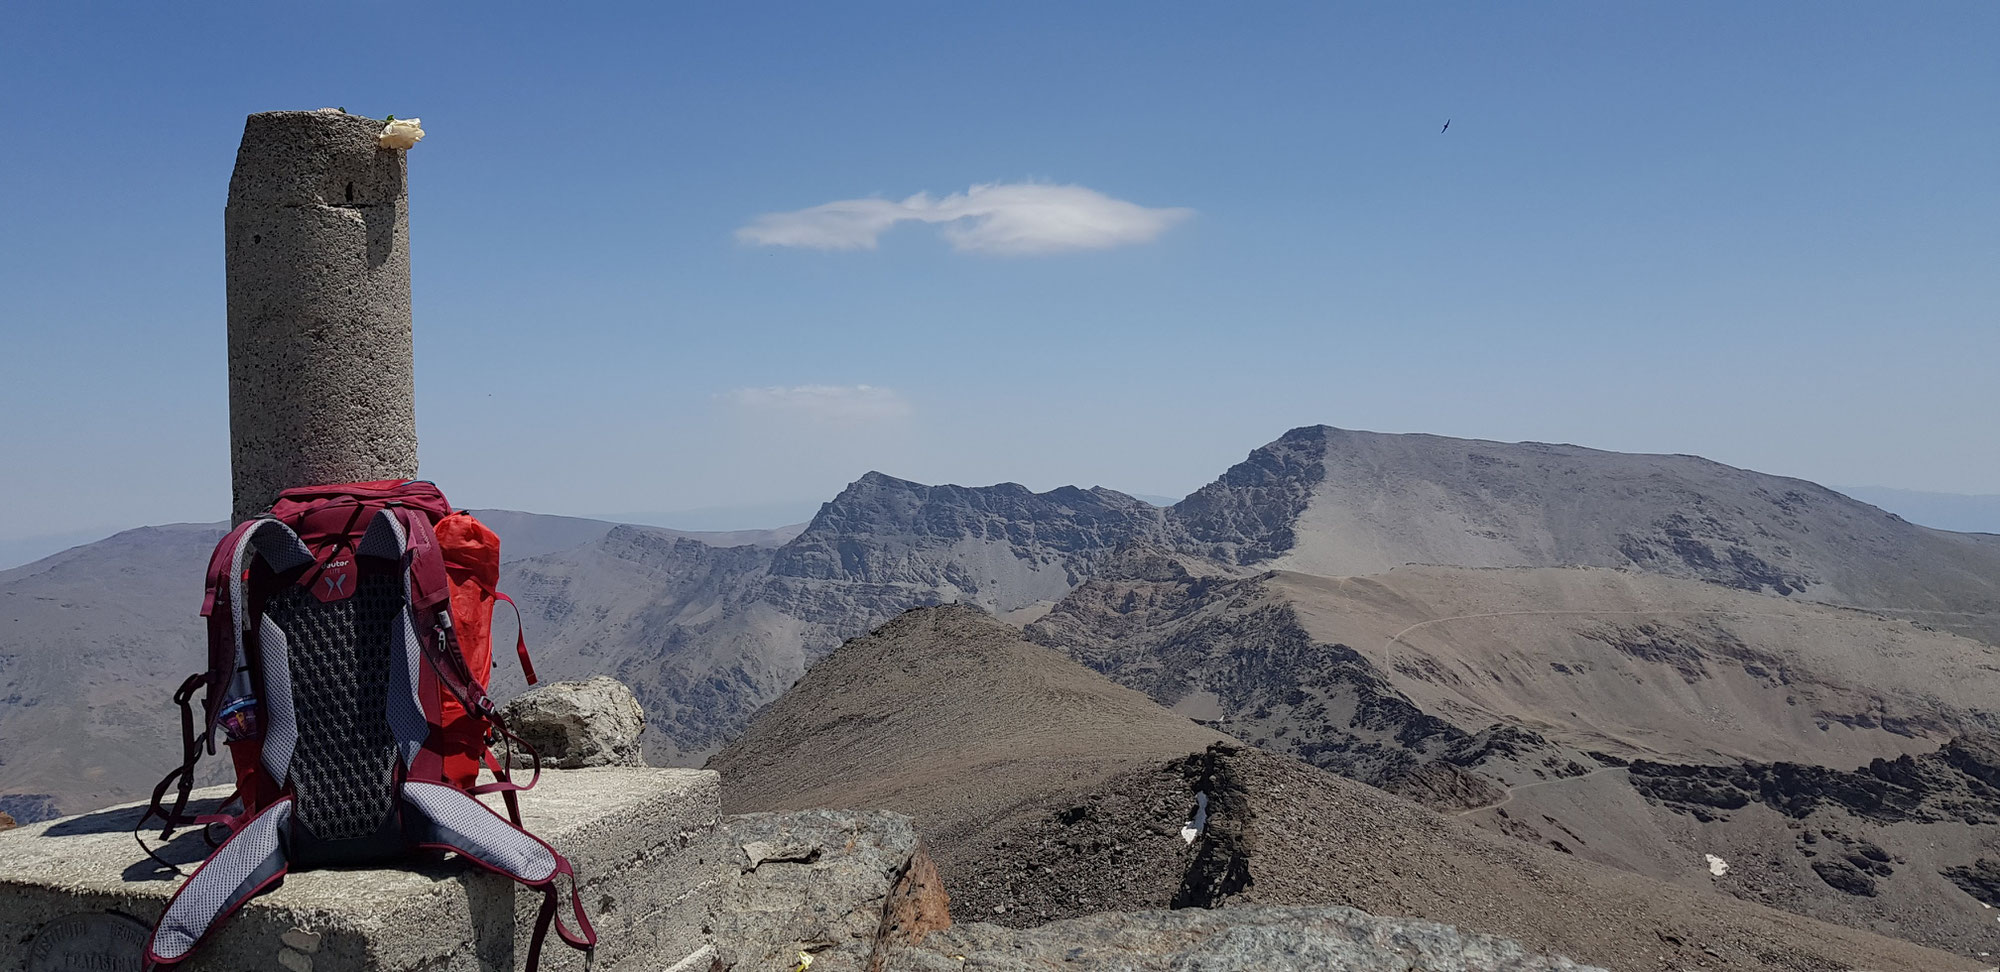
1477	627
1944	511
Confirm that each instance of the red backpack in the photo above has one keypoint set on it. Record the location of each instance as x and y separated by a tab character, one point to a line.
349	653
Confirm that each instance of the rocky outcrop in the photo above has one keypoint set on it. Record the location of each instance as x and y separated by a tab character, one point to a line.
27	808
7	822
1269	939
1981	879
1890	845
1220	869
916	906
1251	513
595	722
1960	782
855	890
1118	845
1715	548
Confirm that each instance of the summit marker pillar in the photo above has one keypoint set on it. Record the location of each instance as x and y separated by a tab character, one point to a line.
316	242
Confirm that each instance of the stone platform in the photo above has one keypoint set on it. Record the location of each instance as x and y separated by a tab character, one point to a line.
77	893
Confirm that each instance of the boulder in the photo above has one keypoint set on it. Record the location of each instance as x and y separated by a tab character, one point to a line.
594	722
853	889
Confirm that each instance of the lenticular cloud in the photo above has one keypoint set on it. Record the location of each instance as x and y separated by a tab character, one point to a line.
1006	219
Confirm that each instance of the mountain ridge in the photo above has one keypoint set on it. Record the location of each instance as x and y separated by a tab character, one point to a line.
709	627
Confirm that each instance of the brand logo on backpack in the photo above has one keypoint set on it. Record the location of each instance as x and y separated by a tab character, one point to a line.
333	582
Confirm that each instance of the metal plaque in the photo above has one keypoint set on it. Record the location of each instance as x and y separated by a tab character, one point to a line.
100	942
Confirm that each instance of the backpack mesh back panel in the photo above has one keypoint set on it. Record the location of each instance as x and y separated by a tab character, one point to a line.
344	767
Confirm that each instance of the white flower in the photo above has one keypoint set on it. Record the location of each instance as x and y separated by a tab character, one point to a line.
401	133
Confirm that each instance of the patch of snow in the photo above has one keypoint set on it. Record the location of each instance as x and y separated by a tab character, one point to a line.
1716	865
1193	828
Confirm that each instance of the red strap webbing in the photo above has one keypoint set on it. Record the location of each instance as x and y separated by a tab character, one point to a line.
584	939
500	774
504	782
520	638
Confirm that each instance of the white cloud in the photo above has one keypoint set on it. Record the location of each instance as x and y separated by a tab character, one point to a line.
841	404
1008	219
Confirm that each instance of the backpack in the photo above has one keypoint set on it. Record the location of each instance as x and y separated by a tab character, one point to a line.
354	714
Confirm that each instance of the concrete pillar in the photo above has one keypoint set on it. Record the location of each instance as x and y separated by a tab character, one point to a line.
321	380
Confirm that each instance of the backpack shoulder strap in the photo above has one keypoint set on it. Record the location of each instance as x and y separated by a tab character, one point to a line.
224	604
439	816
249	863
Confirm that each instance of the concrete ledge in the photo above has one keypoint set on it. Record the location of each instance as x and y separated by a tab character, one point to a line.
643	841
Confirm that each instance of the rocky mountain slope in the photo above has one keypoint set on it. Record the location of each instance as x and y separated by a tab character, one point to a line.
1529	690
1419	659
1046	792
1906	846
1333	502
96	639
947	715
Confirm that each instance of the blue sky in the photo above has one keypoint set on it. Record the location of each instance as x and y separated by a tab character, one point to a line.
1764	233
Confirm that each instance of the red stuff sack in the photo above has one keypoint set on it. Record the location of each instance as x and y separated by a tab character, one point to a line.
472	561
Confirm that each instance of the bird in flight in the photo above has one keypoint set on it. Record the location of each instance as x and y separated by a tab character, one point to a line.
1447	124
